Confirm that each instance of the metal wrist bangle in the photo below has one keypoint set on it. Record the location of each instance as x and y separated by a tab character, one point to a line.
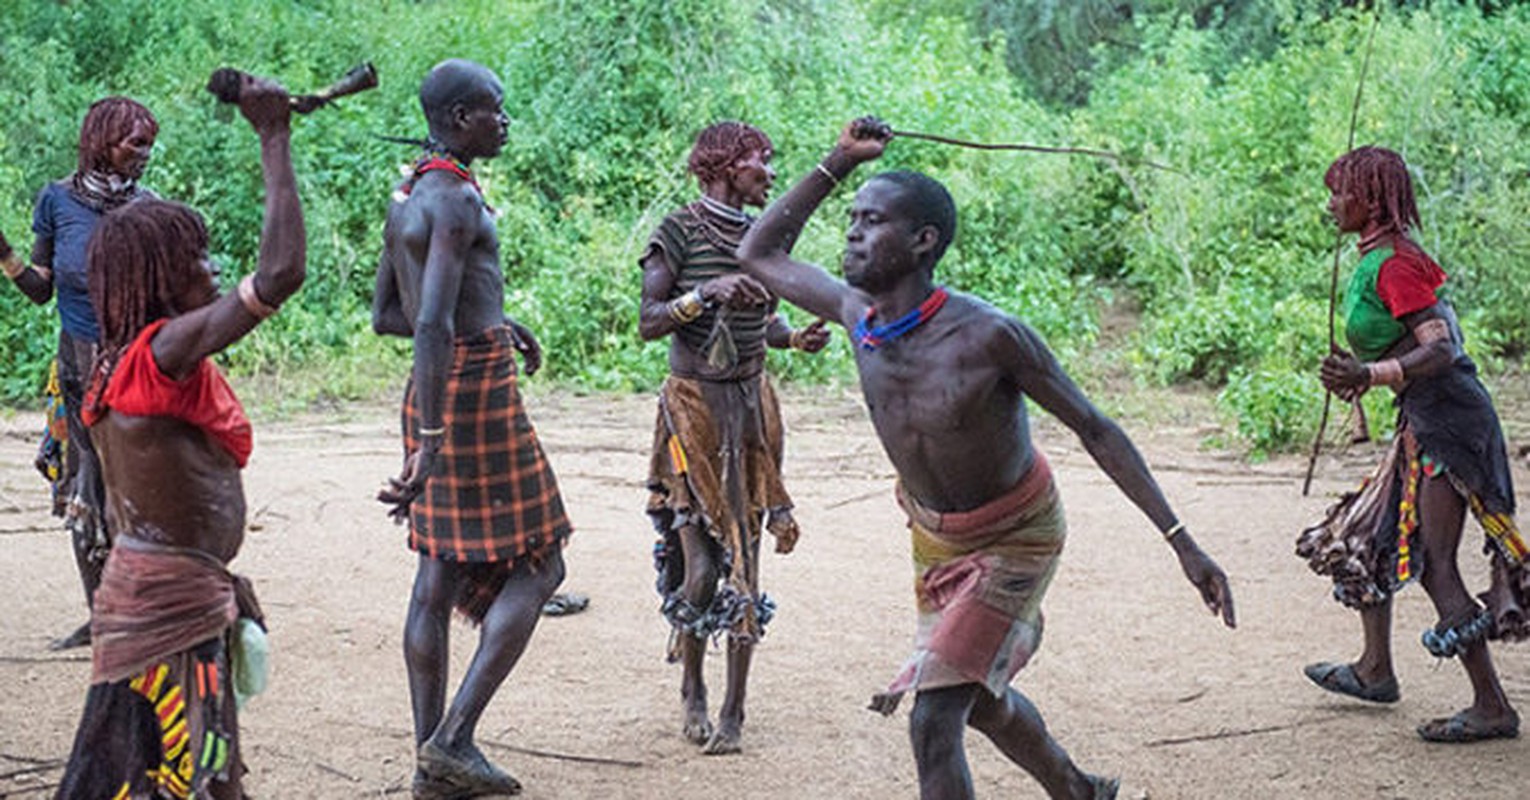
251	301
827	173
686	307
1388	372
1179	527
677	313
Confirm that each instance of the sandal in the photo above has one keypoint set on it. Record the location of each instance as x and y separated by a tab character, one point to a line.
440	774
1464	729
1104	788
1341	679
564	603
80	637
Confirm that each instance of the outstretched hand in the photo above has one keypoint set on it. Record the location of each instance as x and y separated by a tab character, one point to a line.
527	345
12	267
812	338
864	139
735	291
1207	577
402	491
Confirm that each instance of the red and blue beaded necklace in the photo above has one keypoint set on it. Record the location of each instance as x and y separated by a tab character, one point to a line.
870	338
433	160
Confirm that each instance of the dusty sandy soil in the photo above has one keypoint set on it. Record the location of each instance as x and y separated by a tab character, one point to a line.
1134	677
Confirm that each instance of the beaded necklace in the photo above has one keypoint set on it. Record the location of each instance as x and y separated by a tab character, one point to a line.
727	244
870	338
103	190
433	160
724	210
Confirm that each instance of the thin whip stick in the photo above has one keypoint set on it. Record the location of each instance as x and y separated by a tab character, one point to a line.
1338	242
1037	148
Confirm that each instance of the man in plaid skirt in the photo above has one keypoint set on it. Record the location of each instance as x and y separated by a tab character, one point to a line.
482	504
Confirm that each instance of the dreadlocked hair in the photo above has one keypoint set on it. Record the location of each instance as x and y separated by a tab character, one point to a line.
109	121
721	144
138	261
1379	178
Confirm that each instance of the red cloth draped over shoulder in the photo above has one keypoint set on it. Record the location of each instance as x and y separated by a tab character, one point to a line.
1408	280
204	399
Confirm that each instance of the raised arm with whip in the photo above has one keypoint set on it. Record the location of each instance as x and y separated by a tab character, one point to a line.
226	83
1036	148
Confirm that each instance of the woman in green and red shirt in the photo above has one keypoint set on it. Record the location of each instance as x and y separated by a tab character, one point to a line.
1448	456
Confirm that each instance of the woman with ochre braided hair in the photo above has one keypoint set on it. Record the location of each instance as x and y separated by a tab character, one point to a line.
1448	456
175	634
115	141
715	475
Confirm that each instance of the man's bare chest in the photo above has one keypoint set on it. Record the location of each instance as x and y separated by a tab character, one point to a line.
926	395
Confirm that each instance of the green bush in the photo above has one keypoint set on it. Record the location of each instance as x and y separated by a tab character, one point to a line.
1275	409
1230	255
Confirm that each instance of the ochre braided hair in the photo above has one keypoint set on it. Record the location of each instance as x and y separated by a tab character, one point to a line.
138	262
108	122
1379	178
721	144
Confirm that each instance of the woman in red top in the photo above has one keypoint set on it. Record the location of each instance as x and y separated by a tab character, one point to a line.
160	719
1448	456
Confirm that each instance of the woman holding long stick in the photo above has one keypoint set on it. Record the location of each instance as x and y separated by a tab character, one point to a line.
1448	456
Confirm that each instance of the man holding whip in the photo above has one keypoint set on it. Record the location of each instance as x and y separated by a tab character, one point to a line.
944	376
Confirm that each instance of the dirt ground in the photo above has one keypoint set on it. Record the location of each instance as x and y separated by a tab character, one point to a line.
1135	678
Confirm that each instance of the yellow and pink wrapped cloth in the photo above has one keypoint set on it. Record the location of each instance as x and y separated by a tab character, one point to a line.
980	576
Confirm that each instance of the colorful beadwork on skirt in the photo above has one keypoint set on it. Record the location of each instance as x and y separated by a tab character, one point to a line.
176	768
1501	531
1407	509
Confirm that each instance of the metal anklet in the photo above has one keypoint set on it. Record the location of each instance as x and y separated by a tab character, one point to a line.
1455	640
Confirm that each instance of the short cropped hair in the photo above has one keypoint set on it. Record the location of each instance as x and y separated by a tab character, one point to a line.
926	202
450	83
721	144
108	122
1379	178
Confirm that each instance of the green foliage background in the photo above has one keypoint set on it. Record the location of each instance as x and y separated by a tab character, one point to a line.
1229	258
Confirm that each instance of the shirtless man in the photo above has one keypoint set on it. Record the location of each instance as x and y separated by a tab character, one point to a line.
482	504
944	376
160	717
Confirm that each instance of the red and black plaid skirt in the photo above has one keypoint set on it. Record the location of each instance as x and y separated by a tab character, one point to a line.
492	497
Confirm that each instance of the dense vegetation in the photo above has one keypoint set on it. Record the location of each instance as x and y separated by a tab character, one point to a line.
1228	257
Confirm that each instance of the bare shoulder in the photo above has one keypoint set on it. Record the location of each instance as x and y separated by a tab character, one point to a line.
983	324
442	197
996	332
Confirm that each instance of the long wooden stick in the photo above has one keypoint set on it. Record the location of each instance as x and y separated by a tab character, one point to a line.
34	789
581	759
1037	148
1338	243
1235	733
57	763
